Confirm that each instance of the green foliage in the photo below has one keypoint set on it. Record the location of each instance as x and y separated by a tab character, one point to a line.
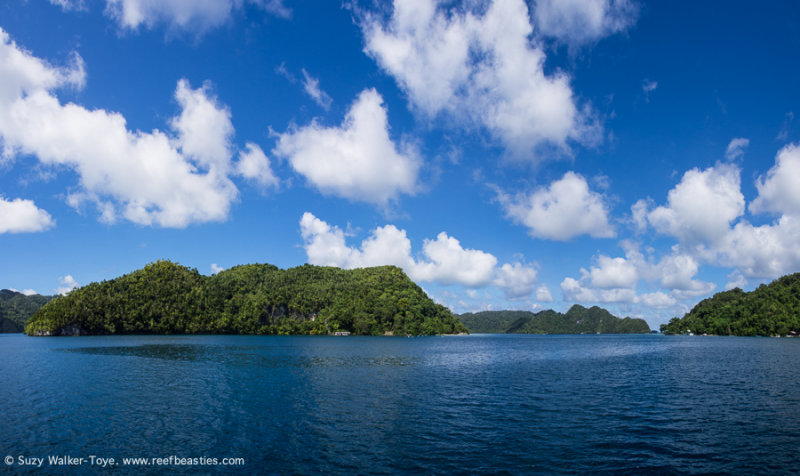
578	320
16	308
772	309
166	298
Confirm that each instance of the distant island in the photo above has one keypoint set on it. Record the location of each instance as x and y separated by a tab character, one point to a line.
16	308
770	310
167	298
578	320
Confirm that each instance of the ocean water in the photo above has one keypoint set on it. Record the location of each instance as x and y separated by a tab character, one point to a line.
479	404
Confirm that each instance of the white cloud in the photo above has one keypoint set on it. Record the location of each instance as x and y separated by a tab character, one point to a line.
517	280
147	178
705	213
735	280
311	86
614	280
480	69
190	15
254	165
575	22
736	148
448	263
357	160
27	292
658	300
779	191
639	211
577	291
766	251
677	273
23	216
215	268
68	283
204	127
543	294
198	15
613	273
649	86
564	210
443	260
702	206
68	5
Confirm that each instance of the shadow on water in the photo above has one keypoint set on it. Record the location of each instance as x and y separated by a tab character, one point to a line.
244	356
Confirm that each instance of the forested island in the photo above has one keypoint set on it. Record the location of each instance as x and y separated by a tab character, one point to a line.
769	310
16	308
577	320
167	298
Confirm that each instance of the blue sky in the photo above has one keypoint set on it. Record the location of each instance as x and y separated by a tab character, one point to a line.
635	155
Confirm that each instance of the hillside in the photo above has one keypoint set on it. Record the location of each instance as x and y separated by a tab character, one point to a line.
771	309
166	298
578	320
16	308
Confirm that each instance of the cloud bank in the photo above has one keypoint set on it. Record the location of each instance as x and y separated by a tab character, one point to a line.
443	260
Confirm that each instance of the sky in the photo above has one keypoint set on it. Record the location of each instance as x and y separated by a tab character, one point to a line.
639	156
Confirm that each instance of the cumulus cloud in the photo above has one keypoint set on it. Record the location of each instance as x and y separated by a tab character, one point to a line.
23	216
68	283
195	15
442	260
479	68
148	178
736	148
575	22
705	212
702	206
677	272
254	165
639	212
215	268
779	191
735	280
543	294
204	127
613	273
577	291
615	279
517	280
561	211
312	88
658	300
356	160
766	251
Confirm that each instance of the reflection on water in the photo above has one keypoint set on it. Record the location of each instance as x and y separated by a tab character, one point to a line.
236	355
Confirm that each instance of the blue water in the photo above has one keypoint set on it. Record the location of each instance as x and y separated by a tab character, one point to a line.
437	405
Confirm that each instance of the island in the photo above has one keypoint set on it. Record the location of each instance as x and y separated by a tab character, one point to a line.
167	298
770	310
16	308
577	320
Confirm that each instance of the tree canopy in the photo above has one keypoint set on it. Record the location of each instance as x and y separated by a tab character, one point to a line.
167	298
578	320
770	309
16	308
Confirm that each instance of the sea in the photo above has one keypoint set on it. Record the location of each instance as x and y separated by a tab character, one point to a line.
477	404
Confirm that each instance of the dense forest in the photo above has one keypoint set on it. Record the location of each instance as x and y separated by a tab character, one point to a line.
771	309
16	308
166	298
578	320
